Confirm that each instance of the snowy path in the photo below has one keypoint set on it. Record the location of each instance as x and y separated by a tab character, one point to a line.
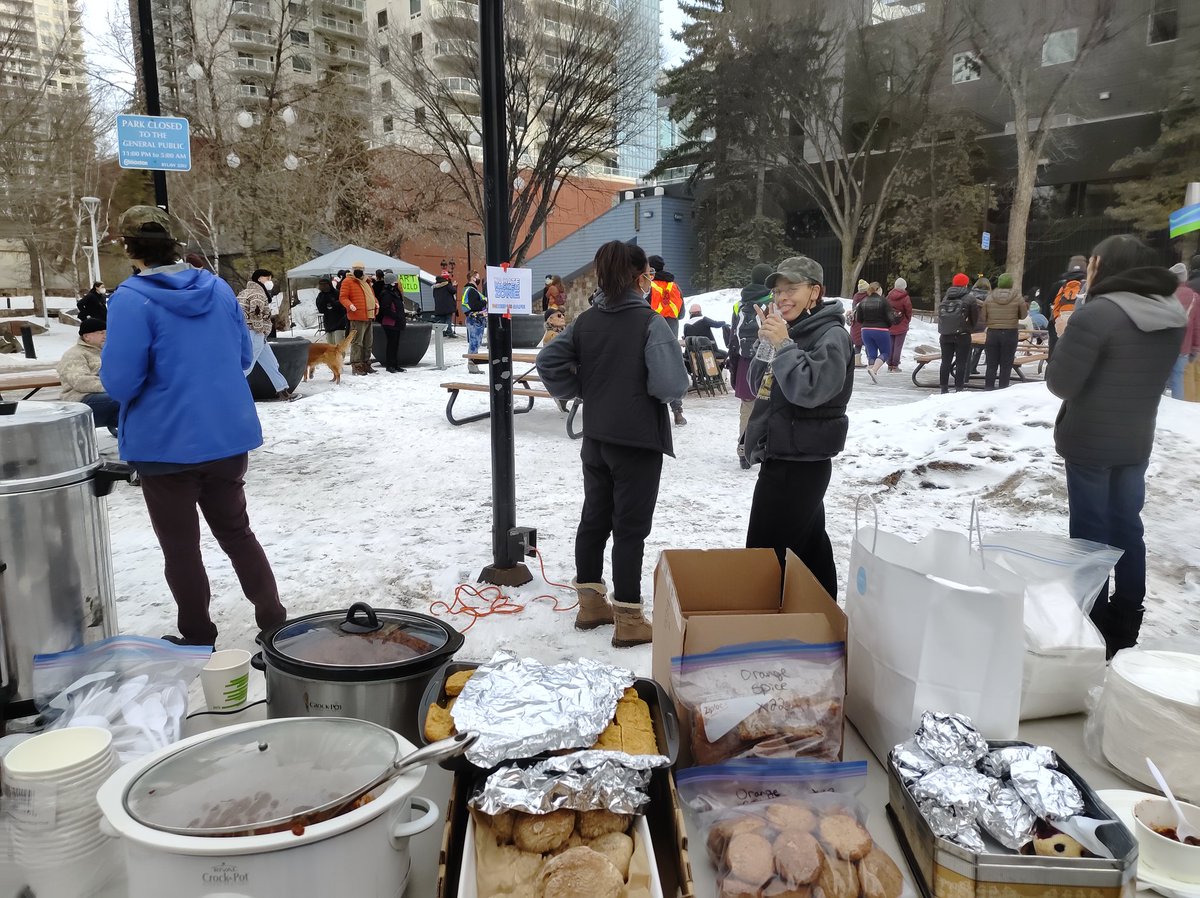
365	492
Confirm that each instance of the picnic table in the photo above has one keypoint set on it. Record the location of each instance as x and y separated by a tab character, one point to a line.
1029	352
525	385
32	381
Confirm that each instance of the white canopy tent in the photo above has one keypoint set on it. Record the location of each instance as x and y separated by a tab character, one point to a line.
333	262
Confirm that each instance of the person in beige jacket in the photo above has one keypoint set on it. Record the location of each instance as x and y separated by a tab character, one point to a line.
1002	313
79	371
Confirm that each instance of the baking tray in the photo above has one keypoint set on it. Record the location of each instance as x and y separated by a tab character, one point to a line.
662	712
942	868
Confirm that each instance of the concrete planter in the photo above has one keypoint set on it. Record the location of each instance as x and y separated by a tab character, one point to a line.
527	331
414	342
292	355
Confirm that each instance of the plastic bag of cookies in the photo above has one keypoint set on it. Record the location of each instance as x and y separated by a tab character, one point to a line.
776	829
778	699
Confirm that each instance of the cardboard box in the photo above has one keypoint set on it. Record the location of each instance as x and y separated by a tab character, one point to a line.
708	598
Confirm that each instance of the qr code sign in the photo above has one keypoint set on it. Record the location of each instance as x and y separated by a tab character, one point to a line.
507	290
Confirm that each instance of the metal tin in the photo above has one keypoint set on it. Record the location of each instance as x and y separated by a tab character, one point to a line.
943	869
46	444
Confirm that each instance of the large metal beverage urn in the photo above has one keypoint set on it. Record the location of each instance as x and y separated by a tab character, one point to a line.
56	581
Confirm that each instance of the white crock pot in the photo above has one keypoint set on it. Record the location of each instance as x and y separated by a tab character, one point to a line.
363	853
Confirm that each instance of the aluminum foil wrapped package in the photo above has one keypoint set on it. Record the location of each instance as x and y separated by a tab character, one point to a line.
1006	817
950	739
954	787
521	707
1050	794
947	824
911	762
581	781
998	762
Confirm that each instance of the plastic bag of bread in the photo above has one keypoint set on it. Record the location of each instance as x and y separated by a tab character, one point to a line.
784	828
778	699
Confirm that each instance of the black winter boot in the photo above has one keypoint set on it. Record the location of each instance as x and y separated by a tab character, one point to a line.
1119	626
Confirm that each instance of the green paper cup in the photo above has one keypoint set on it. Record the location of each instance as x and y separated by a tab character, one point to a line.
226	680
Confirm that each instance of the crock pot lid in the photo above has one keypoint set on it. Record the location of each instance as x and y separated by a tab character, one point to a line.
255	777
361	637
1167	674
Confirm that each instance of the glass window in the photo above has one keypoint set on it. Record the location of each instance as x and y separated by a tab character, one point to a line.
1060	47
301	64
414	7
300	37
381	18
1164	21
385	90
418	42
387	124
384	55
967	67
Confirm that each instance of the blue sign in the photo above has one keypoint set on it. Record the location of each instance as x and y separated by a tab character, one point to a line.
154	142
986	243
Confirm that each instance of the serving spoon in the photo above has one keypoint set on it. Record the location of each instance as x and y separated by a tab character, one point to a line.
1183	829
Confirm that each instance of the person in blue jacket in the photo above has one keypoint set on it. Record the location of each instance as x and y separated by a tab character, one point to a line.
176	349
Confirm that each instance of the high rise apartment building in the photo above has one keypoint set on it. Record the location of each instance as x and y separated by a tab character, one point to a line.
41	42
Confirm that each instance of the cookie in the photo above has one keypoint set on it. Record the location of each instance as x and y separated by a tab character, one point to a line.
735	888
580	872
838	879
879	875
439	724
617	847
724	830
541	833
749	858
845	837
593	824
514	867
798	857
792	815
501	824
573	841
456	682
1057	845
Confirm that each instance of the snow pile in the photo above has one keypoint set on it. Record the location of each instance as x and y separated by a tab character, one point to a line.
49	346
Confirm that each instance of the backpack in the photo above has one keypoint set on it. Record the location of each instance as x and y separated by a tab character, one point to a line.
1068	294
953	316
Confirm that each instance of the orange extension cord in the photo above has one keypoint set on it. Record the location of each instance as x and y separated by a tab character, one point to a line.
496	601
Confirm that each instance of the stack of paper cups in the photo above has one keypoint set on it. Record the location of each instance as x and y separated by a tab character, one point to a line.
50	785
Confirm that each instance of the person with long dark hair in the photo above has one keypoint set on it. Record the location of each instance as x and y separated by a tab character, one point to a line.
1111	364
803	372
623	360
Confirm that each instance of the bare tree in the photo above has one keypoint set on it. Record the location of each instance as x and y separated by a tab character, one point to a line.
409	200
572	74
1035	48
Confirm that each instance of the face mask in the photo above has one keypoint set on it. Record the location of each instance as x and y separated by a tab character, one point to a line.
102	292
268	285
358	272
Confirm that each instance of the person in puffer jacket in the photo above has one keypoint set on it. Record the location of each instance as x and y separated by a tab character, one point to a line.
901	304
79	372
741	349
1110	366
1002	313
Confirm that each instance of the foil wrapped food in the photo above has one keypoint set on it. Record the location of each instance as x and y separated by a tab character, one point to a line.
1006	818
950	739
911	762
946	823
954	787
1049	794
521	707
999	762
580	781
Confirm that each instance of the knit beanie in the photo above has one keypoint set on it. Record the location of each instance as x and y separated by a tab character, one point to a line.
983	284
1180	271
760	273
1004	282
863	286
961	280
900	284
551	311
91	325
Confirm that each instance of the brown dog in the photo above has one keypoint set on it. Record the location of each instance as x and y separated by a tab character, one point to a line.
332	355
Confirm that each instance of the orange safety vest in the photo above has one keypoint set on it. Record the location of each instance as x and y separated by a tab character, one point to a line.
666	299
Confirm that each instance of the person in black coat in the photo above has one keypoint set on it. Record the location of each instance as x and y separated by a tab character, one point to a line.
1112	363
332	311
391	318
94	303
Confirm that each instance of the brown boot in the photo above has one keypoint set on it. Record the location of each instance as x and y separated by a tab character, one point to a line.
594	610
357	368
632	627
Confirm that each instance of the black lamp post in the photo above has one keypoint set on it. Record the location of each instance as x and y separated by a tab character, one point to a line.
150	86
470	234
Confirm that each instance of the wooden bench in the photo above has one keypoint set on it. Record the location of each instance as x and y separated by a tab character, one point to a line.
29	380
454	389
1028	356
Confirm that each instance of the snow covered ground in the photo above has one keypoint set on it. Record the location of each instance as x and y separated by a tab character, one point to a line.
364	491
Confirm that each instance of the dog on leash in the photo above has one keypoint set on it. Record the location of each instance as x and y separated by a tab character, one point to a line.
332	355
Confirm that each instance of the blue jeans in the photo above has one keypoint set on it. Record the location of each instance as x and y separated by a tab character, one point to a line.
105	410
264	356
1176	380
476	326
1106	507
878	343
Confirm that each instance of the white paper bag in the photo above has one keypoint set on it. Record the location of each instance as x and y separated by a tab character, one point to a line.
932	628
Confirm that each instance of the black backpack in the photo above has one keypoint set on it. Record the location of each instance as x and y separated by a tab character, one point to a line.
954	315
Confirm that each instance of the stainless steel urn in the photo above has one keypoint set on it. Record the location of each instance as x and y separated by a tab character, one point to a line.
56	587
